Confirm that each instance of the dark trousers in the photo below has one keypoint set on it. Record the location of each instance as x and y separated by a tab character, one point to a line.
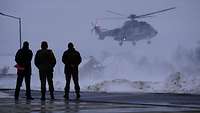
72	72
20	78
46	75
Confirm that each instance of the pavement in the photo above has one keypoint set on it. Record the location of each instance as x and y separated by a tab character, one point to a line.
100	102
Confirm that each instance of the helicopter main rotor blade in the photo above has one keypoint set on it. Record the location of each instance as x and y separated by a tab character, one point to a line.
115	13
146	16
140	16
111	18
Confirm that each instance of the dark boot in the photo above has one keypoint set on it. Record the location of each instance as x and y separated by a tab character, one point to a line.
43	96
66	96
52	95
16	94
29	98
16	97
78	95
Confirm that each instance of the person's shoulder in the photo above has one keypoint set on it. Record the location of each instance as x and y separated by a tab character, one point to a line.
49	50
66	51
77	52
19	51
30	51
39	51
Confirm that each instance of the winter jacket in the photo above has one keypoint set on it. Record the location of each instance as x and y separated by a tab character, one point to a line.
45	60
23	58
71	58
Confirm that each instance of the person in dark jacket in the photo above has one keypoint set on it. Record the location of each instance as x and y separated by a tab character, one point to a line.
71	58
23	59
45	61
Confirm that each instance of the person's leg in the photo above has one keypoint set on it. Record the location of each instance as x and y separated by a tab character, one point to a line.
18	85
28	87
67	86
50	82
43	84
76	82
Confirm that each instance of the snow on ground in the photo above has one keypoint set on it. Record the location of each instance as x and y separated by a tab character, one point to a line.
180	83
122	85
4	95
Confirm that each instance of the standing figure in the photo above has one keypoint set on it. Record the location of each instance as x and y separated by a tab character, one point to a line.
23	59
45	61
71	58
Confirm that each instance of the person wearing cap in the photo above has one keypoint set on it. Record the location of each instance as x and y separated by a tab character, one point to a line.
71	58
45	61
23	59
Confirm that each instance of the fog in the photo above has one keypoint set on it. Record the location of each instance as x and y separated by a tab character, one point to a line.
58	22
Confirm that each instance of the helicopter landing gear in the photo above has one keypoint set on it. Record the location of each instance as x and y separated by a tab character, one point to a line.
120	43
148	42
133	43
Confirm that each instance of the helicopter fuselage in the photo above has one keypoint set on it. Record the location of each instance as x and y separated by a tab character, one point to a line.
132	30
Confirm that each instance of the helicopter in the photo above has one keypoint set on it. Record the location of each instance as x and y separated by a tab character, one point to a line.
132	30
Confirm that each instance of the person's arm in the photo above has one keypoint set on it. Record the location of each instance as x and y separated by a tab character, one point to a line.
64	58
17	57
31	55
36	60
79	58
53	59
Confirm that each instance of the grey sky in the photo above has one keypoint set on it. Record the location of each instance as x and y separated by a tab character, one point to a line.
61	21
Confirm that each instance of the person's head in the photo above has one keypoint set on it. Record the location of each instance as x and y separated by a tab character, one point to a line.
70	45
44	45
25	45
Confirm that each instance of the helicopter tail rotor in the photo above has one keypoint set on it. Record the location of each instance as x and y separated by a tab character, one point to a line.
93	26
92	30
97	30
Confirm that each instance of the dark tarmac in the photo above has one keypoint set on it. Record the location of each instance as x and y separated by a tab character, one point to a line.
95	102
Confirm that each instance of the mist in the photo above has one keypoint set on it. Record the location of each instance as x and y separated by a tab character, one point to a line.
105	63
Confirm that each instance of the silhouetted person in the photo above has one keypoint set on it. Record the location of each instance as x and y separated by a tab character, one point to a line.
23	59
45	61
71	58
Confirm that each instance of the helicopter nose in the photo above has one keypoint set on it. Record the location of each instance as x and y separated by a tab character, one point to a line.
154	33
